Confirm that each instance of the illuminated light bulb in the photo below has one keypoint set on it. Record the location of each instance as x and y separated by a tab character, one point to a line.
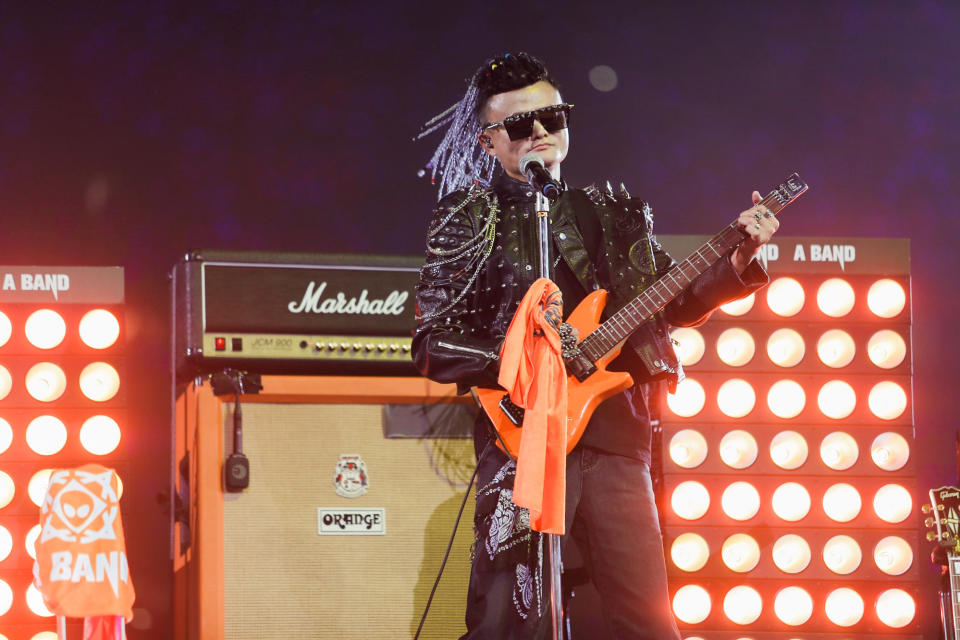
886	349
6	597
6	543
735	347
887	400
740	553
46	435
30	541
99	381
36	604
842	502
890	451
46	381
7	489
844	607
736	398
785	297
836	348
837	399
842	554
740	501
896	608
37	487
45	635
45	329
786	348
839	451
99	329
6	329
835	297
886	298
893	555
786	399
791	553
739	307
742	605
6	435
688	399
690	500
793	606
788	450
688	448
738	449
6	382
688	344
689	552
691	604
791	501
892	503
100	435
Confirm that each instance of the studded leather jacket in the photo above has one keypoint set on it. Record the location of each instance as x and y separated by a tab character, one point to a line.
482	256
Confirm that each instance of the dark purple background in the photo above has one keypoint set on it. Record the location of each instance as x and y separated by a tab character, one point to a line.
132	133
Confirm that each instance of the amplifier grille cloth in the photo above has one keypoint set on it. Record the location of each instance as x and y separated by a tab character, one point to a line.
283	580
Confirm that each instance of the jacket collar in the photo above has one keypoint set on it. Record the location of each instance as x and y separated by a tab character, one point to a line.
509	189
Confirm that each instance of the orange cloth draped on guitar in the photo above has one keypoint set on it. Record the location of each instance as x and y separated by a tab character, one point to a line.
533	372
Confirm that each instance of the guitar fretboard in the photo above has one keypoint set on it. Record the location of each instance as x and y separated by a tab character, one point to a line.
954	564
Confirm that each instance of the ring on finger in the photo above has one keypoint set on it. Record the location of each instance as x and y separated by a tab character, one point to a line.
757	225
767	214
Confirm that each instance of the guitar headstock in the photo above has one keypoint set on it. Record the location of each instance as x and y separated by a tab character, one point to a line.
785	193
944	523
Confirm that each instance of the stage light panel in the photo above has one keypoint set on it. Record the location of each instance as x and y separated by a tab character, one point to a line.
791	553
836	348
100	435
742	604
835	297
887	400
740	501
36	604
46	435
7	489
6	382
890	451
689	552
842	502
892	503
688	400
6	597
37	487
893	555
786	399
691	604
46	381
788	450
837	399
839	451
45	329
6	543
738	449
740	306
791	501
740	553
793	606
842	554
896	608
99	329
844	607
736	398
785	297
690	500
786	348
6	328
688	448
99	381
886	349
689	345
30	541
886	298
735	347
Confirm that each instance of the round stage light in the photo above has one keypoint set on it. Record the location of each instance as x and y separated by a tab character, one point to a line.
896	608
6	382
785	297
835	297
37	487
688	344
742	605
793	606
6	435
739	307
35	602
893	555
736	398
100	435
786	399
844	607
837	399
892	503
791	501
45	635
688	399
842	554
740	501
45	329
887	400
46	435
689	552
46	381
785	348
788	450
6	543
890	451
740	553
690	500
836	348
886	349
738	449
691	604
735	347
99	329
886	298
791	553
30	541
7	489
6	329
99	381
688	448
6	597
839	451
842	502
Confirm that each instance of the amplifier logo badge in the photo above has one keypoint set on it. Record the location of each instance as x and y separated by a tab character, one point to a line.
314	302
350	477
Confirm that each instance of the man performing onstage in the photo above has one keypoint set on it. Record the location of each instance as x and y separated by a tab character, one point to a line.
482	257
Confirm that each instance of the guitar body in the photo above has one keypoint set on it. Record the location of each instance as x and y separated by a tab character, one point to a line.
583	398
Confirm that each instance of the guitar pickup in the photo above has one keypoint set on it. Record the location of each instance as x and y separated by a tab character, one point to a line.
512	411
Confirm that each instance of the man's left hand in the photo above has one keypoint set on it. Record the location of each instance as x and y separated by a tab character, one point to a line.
759	224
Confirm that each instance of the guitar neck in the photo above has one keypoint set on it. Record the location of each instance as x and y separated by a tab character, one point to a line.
953	564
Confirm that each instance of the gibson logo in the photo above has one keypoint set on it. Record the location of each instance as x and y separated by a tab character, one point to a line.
314	302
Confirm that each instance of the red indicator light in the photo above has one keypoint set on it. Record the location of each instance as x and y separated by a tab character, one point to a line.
220	344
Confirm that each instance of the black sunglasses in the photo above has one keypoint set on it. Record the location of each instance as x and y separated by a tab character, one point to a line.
520	125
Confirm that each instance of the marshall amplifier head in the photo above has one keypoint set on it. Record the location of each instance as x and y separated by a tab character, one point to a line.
294	313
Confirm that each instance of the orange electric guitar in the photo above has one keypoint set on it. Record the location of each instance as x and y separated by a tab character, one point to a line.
589	383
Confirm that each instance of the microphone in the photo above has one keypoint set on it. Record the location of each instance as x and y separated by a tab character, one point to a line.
533	169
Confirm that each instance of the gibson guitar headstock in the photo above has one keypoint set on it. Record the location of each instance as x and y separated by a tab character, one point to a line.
944	522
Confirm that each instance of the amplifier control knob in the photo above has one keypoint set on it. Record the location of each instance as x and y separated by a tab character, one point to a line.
357	346
318	347
394	347
381	347
406	348
344	346
332	346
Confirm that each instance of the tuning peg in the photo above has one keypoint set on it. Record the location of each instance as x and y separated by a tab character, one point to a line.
926	508
931	536
929	522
